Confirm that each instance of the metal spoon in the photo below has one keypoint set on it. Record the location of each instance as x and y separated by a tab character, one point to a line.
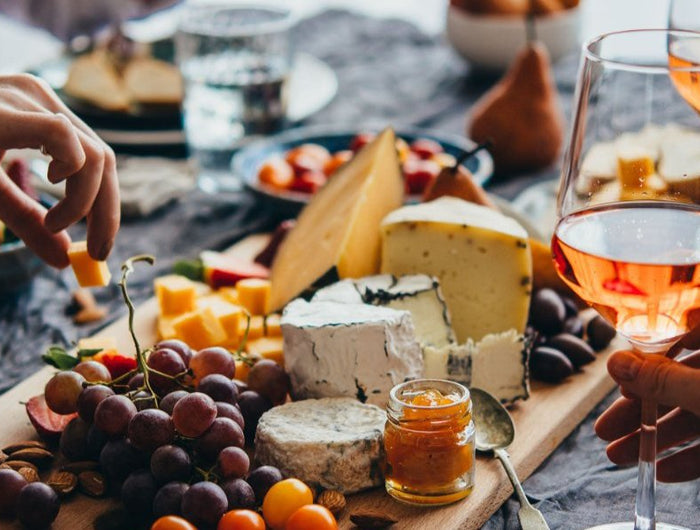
494	432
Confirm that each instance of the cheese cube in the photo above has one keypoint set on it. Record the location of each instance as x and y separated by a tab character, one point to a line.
242	371
254	295
481	258
229	294
200	329
176	294
230	317
94	343
267	348
336	234
257	328
88	272
164	327
272	325
634	167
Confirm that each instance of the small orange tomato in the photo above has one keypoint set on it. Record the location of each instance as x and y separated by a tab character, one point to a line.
241	520
283	499
337	160
172	522
312	517
277	173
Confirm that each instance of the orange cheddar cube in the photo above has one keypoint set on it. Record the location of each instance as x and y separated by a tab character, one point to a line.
88	272
200	329
272	325
267	348
230	317
176	294
254	295
229	294
256	327
164	327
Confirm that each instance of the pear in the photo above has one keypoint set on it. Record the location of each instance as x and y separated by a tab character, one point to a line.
520	115
457	182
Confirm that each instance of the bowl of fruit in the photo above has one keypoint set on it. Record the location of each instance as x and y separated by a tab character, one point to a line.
290	167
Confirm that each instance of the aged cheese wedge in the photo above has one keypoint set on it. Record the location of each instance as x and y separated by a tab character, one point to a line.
152	81
88	272
93	78
481	258
337	233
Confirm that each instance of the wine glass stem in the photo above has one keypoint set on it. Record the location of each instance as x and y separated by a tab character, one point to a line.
645	508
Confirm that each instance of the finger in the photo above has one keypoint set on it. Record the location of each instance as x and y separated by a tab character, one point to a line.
81	189
622	418
25	217
658	378
103	219
673	429
682	466
54	132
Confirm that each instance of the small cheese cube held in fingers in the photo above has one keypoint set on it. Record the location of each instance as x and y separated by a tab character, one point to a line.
254	295
88	272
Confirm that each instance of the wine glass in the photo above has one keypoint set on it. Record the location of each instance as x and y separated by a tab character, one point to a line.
628	236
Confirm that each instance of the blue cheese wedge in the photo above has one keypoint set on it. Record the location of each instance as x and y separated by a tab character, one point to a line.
418	294
330	443
334	349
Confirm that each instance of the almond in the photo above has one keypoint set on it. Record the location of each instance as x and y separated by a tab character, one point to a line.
36	455
333	500
19	464
63	482
92	483
3	456
27	444
370	520
90	314
29	473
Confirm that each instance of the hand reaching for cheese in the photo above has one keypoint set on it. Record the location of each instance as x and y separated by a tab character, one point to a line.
676	387
32	116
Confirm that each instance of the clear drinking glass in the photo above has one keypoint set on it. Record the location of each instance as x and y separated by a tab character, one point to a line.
235	62
628	236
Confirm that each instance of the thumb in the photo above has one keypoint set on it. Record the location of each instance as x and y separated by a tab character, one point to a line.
657	377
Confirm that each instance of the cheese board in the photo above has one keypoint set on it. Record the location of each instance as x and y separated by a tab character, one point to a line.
542	422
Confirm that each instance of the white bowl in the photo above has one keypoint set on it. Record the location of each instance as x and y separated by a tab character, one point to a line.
491	42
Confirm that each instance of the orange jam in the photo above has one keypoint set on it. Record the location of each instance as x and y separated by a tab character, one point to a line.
429	442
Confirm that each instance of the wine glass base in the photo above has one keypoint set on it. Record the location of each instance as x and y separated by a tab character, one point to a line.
630	526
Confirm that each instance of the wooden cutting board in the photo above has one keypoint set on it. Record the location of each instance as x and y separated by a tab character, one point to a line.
542	423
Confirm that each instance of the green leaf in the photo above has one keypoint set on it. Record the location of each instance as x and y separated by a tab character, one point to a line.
57	357
88	352
192	269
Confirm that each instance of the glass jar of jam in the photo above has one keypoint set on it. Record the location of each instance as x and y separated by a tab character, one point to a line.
429	442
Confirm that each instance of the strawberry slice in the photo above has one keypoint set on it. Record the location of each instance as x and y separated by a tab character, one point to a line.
47	423
117	363
221	270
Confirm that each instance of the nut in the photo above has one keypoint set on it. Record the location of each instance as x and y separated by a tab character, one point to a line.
29	473
3	456
92	483
63	482
24	445
88	310
80	466
19	464
333	500
369	519
36	455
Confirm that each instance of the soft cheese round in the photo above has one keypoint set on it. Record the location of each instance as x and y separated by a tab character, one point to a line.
332	443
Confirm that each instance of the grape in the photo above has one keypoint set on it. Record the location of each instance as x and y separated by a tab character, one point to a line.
203	504
95	441
93	371
168	402
138	491
213	360
62	391
218	387
193	414
150	429
262	479
168	362
143	400
222	433
89	398
232	412
73	443
179	347
11	483
113	414
269	379
170	462
136	382
238	493
233	462
37	505
253	405
241	386
168	500
118	458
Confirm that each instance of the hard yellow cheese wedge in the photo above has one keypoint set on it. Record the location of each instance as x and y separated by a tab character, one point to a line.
481	257
337	233
88	272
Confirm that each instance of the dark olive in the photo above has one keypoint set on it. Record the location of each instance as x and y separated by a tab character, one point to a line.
577	350
550	365
547	312
600	333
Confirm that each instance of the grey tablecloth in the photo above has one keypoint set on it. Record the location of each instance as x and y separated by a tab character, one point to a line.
388	71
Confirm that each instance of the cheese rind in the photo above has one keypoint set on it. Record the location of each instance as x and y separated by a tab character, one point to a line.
334	349
337	233
331	443
481	258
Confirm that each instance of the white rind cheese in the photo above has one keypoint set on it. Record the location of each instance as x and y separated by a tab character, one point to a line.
331	443
334	349
418	294
481	258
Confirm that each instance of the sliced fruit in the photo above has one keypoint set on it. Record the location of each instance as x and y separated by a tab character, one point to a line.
117	363
220	270
48	424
